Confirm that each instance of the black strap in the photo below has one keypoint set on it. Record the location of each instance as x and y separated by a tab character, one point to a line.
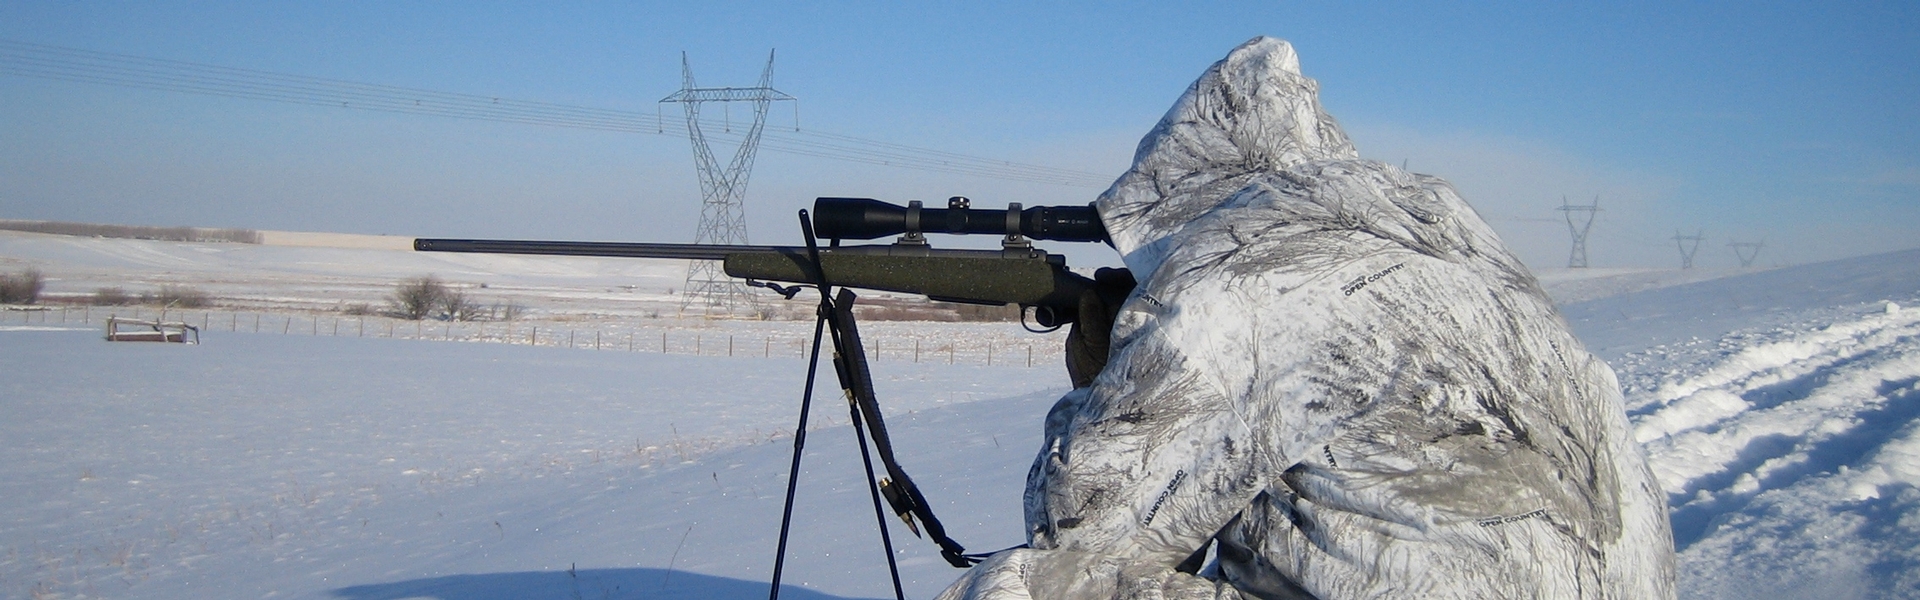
856	381
899	489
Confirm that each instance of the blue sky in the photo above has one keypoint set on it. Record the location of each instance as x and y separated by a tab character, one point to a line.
1792	123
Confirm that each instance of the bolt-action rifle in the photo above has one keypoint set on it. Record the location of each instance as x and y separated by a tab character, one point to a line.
1017	273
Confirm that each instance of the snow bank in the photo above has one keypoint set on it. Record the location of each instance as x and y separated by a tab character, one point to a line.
1791	461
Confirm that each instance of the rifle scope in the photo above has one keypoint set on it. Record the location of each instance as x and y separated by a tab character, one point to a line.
866	219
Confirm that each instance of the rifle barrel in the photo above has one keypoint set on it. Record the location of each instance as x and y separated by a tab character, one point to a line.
608	249
1024	276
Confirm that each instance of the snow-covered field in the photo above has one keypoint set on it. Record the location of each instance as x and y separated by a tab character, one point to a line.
1781	410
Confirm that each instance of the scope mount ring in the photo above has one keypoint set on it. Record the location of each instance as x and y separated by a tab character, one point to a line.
913	236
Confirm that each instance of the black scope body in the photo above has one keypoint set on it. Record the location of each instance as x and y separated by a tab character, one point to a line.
866	219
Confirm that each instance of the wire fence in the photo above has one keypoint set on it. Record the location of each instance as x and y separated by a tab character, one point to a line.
935	343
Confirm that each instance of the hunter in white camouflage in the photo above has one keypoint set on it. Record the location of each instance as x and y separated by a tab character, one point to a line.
1334	380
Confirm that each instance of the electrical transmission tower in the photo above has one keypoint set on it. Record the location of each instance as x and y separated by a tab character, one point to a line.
1686	249
1747	251
723	190
1578	258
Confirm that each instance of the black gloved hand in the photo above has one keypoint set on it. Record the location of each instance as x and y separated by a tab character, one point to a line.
1092	333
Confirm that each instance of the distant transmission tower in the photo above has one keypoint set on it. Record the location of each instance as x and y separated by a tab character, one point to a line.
723	191
1578	258
1687	249
1747	251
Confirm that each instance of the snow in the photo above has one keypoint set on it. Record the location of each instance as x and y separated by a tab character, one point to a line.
257	464
1780	410
1781	413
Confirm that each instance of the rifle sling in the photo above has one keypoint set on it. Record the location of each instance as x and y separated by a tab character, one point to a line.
905	496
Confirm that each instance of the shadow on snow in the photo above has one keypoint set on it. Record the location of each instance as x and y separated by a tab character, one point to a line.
586	584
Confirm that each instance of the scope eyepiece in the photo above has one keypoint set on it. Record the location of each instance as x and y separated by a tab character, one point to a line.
866	219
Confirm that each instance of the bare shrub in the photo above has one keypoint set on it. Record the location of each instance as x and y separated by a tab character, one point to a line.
454	306
505	312
23	288
177	296
359	309
430	298
417	298
110	296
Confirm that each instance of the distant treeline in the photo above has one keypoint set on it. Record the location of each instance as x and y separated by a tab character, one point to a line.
137	232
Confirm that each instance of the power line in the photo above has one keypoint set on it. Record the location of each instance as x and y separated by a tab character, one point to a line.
87	66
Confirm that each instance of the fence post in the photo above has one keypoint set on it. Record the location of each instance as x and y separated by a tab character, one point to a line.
533	338
288	328
916	351
570	333
1029	356
989	354
767	352
696	344
596	339
629	341
729	345
950	352
663	341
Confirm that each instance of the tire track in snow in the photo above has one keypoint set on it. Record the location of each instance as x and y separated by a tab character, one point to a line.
1773	414
1792	464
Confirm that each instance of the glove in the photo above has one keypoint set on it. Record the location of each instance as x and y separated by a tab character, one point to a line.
1092	332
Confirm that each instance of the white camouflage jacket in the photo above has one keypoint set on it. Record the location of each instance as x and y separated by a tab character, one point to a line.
1332	367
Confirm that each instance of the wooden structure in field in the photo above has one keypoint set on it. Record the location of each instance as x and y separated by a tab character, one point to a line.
135	330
